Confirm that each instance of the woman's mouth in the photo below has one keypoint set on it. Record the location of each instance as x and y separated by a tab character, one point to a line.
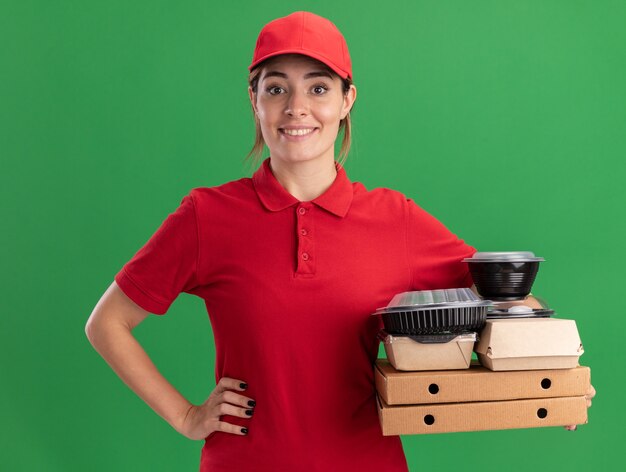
297	134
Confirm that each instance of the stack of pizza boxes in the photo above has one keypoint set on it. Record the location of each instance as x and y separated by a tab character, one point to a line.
526	375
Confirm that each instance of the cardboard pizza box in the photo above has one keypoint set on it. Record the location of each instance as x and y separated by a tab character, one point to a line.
477	384
481	416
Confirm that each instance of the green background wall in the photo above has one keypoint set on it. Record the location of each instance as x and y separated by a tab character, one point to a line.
505	119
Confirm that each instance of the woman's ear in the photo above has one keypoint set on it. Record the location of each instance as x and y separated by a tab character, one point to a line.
348	100
252	96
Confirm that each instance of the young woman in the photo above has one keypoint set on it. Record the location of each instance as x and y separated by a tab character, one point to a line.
290	264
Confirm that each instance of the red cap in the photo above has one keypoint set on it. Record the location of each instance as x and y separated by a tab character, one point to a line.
304	33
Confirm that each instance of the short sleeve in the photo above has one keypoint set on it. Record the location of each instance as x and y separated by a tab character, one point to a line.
435	254
167	264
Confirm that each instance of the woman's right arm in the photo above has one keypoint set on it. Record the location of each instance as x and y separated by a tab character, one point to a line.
109	329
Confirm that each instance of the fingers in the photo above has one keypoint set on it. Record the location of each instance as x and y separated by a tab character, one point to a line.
227	401
226	383
231	428
228	409
591	393
222	394
236	399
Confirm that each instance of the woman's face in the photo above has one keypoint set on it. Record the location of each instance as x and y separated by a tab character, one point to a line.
299	105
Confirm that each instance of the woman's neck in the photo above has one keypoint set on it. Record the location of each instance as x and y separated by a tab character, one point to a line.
305	180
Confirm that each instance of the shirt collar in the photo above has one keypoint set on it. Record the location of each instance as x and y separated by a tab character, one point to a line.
336	199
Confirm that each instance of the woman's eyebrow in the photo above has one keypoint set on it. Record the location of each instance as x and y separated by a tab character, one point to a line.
275	73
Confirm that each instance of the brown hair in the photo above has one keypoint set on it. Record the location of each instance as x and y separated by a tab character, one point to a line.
256	153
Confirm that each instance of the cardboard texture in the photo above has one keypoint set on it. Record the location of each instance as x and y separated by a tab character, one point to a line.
527	344
405	353
481	416
477	384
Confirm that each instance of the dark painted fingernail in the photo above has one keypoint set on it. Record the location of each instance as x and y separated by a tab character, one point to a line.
251	403
249	412
243	385
244	430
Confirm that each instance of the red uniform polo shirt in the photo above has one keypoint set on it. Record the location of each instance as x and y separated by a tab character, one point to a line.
289	287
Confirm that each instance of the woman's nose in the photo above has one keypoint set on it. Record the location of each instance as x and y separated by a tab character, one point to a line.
297	104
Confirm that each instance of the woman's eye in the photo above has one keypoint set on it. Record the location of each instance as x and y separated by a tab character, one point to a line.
274	90
319	89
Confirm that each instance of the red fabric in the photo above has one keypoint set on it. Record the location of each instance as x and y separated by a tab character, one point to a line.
297	328
305	33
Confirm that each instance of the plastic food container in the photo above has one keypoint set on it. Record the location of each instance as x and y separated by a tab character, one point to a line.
432	312
429	352
503	275
518	309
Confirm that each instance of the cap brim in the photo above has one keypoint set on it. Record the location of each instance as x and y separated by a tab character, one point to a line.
339	71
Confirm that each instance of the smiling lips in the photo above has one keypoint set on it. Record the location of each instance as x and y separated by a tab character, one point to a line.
296	132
